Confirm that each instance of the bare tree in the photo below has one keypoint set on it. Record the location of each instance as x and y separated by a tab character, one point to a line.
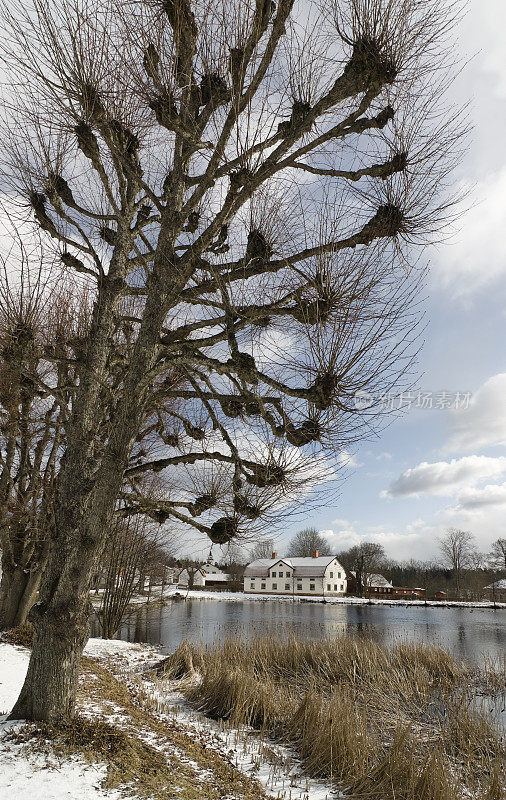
262	549
131	545
242	193
458	551
498	553
43	325
365	559
191	567
306	542
233	563
35	318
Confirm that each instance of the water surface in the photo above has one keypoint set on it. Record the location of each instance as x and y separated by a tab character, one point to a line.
470	633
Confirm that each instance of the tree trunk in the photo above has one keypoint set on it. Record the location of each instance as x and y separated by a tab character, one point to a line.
50	685
61	616
18	593
359	577
85	503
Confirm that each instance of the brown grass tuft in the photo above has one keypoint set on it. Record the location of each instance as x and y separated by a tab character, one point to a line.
387	723
21	636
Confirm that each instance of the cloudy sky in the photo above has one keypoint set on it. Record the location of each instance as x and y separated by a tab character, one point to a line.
439	466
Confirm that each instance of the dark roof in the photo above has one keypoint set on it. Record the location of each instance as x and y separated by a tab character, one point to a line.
302	567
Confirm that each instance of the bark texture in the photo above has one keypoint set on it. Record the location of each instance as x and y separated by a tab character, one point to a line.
50	687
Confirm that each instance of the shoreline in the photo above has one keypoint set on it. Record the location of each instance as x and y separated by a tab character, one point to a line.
166	718
239	597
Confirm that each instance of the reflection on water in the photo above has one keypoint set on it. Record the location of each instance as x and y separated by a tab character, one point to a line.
467	632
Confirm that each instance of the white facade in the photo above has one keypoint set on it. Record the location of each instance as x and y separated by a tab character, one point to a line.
205	574
317	577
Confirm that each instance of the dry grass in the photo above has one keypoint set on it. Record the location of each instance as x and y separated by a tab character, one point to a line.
384	723
144	755
173	760
21	636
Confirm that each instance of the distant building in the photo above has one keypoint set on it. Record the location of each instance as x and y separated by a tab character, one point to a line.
317	576
409	592
496	591
441	595
206	576
375	585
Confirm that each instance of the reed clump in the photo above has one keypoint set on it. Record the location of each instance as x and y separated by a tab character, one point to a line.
382	723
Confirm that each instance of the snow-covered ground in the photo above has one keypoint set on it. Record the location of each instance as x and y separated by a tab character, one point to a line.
26	775
277	769
13	666
172	591
155	596
275	766
34	776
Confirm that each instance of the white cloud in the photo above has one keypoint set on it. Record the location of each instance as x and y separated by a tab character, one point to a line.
445	477
347	459
491	19
477	256
485	522
490	495
416	540
484	423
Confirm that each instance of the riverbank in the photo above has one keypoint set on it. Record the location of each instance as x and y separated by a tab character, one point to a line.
259	721
240	597
400	722
135	736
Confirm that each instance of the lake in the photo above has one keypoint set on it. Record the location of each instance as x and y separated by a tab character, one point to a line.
470	633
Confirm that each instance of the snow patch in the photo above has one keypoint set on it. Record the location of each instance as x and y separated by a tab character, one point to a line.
44	777
38	776
240	597
13	666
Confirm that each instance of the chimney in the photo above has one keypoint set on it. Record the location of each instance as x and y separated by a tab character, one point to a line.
316	553
274	555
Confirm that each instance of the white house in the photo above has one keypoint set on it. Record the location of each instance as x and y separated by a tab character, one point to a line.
373	583
318	576
205	575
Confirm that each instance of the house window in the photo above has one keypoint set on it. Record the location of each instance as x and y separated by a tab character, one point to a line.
263	585
335	587
274	585
273	574
338	574
331	574
311	587
328	586
288	574
252	584
287	586
299	587
342	587
280	574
